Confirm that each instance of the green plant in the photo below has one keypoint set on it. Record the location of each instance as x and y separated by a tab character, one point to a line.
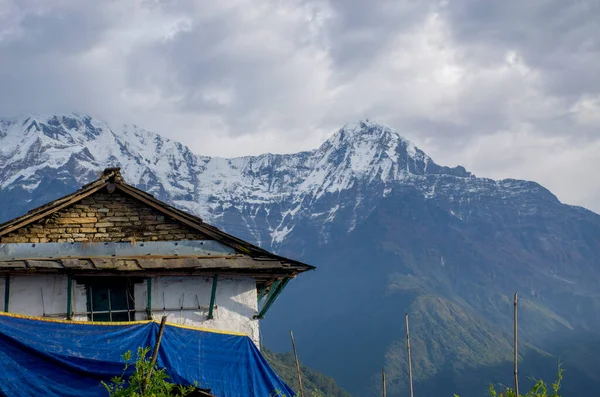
139	384
279	393
539	389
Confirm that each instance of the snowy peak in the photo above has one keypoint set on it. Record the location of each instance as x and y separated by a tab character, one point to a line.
366	147
366	133
344	179
369	140
35	146
371	152
23	135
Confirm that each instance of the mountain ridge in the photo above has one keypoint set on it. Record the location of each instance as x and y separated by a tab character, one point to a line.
364	152
389	229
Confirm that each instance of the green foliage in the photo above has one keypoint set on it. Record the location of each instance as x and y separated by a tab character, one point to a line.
539	389
155	386
314	383
279	393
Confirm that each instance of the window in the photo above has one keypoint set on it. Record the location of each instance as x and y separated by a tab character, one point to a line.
110	299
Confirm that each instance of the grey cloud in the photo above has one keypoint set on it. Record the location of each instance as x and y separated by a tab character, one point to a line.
41	46
231	71
360	30
560	38
62	30
217	56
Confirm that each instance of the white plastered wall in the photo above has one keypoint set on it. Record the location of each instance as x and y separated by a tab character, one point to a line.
235	303
44	295
235	300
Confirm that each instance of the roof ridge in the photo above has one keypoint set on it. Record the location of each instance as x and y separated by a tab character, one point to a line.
112	178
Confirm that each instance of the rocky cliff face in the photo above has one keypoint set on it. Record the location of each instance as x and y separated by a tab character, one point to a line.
390	230
265	196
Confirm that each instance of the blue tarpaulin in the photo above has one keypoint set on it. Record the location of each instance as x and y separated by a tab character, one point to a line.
60	358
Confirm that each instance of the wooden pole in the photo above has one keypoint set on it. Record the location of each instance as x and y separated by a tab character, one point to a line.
410	381
297	365
383	382
6	291
69	297
149	298
155	352
516	354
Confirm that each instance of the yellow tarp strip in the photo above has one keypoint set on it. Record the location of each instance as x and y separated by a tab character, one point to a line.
214	331
55	320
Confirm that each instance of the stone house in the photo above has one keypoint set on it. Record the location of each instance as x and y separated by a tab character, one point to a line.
111	252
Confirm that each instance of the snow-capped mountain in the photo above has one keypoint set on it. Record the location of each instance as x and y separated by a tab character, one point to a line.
266	194
389	231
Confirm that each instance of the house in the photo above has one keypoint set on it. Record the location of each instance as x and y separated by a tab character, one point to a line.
110	252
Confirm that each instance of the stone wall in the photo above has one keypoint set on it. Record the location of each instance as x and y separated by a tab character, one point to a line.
104	216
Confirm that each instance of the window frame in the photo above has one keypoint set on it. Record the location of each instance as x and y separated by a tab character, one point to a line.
110	284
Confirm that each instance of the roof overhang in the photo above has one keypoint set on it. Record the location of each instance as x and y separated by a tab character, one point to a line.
147	259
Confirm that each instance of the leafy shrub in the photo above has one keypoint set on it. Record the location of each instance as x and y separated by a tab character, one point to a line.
156	386
540	389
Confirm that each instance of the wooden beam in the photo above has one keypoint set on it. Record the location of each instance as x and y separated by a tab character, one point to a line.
149	298
246	273
51	210
410	380
205	263
383	385
213	294
6	291
146	379
260	295
69	302
273	288
516	346
297	365
273	294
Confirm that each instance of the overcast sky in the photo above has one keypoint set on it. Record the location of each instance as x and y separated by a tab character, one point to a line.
507	88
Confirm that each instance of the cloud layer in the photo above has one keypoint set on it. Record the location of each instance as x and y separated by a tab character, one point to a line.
508	89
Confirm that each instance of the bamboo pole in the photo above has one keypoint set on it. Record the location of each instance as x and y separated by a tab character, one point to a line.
383	382
155	352
297	365
516	354
410	380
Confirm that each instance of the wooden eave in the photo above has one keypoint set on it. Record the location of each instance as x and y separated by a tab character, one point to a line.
265	272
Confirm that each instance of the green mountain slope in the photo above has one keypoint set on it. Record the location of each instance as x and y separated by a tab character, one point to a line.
456	278
314	383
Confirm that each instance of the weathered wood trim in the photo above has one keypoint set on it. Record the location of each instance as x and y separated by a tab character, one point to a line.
273	295
263	276
213	295
160	208
69	298
149	298
51	210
